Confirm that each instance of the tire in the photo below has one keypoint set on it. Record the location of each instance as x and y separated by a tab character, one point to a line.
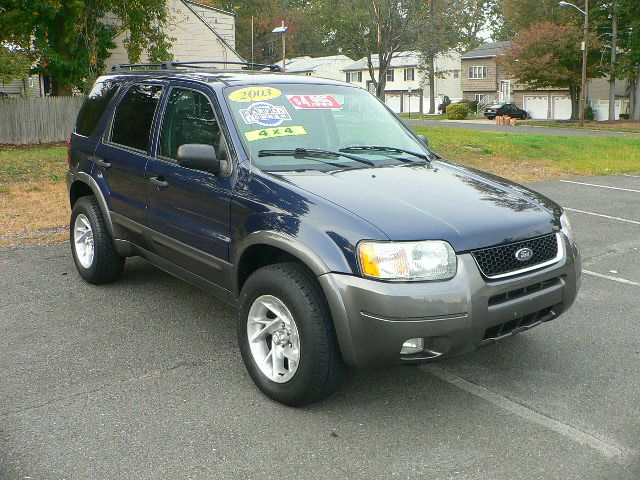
524	116
320	368
491	118
105	264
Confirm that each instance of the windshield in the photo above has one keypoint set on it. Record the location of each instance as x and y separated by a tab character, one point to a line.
276	120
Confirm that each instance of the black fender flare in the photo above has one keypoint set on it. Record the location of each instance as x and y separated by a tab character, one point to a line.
88	180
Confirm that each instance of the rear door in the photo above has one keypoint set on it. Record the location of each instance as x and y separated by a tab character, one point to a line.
189	210
121	158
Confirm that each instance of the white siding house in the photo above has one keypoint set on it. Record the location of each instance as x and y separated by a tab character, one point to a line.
326	67
407	87
200	32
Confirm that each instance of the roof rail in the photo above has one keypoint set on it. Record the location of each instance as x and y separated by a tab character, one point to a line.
195	64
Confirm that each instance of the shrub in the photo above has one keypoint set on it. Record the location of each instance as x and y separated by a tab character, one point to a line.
457	111
589	115
624	116
472	104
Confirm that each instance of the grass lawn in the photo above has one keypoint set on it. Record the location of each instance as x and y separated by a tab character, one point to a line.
524	158
33	197
626	126
34	206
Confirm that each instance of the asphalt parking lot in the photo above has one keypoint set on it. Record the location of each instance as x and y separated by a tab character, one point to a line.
142	379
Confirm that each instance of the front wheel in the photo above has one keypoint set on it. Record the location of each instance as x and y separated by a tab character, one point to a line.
286	335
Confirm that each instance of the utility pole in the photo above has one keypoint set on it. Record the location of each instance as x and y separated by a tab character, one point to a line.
284	47
612	77
583	90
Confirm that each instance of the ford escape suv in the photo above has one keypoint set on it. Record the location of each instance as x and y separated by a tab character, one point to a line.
341	237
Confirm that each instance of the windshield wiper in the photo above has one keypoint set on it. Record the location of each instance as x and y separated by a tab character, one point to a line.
374	148
312	152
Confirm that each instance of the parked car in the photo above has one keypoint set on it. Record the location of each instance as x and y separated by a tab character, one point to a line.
340	236
502	109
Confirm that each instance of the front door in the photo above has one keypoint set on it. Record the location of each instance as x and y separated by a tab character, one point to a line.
189	210
121	157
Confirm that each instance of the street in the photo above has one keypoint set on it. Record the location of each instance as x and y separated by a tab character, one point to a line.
143	379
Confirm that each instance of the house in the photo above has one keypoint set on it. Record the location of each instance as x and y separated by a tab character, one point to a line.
199	32
407	88
29	86
326	67
484	81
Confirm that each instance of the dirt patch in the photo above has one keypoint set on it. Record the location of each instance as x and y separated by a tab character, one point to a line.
33	212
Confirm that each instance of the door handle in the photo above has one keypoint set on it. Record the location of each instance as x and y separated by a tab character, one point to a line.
159	182
100	163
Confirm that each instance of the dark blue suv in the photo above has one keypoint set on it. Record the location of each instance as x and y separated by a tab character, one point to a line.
342	238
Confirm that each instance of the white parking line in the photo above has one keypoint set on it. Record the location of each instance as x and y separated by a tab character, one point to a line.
607	448
601	215
633	176
601	186
609	277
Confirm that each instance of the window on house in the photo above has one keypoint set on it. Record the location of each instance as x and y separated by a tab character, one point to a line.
409	74
480	97
456	74
478	72
354	77
390	75
134	116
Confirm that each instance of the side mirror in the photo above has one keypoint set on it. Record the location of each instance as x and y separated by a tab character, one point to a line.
198	157
424	140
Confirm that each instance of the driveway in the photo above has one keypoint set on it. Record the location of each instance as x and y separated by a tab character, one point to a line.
142	379
484	126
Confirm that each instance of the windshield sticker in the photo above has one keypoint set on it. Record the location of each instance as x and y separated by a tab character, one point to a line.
314	102
254	94
265	114
265	133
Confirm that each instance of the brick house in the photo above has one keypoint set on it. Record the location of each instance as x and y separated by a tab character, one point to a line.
483	80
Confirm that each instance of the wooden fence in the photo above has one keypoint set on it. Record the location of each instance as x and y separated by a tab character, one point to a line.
38	120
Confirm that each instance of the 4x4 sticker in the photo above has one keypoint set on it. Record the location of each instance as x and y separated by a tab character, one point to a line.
265	114
254	94
314	102
265	133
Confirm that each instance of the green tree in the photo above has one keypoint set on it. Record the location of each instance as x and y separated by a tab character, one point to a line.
510	17
71	39
14	64
371	29
548	55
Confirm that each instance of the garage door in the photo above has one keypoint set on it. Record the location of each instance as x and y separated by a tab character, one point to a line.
393	102
561	108
537	106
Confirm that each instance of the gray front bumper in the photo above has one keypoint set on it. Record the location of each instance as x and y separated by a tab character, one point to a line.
373	319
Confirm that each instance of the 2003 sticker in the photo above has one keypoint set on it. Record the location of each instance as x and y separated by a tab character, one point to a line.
254	94
265	133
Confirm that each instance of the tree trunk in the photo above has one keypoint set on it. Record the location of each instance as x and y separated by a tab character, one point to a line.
632	98
612	76
636	98
431	70
574	92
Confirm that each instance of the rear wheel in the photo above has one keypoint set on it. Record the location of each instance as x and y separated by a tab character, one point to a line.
93	250
286	335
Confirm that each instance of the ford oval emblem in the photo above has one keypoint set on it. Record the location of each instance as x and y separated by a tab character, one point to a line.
524	254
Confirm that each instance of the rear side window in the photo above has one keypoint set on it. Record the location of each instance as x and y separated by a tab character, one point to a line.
94	106
134	116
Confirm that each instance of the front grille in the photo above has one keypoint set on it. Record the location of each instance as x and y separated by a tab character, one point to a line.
502	260
519	324
521	292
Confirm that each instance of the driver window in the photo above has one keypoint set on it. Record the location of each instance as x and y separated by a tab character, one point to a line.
188	118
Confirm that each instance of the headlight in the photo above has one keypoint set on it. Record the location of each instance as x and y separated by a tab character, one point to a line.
566	226
428	260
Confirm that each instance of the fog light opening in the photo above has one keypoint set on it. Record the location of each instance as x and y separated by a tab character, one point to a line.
412	346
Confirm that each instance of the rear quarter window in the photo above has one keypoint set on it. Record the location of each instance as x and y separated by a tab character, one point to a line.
94	106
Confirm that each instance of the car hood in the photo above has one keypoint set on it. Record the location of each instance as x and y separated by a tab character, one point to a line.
441	200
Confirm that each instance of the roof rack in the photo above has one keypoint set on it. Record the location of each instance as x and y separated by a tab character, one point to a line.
195	64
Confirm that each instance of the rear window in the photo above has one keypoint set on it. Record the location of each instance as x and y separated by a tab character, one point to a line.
94	106
134	116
